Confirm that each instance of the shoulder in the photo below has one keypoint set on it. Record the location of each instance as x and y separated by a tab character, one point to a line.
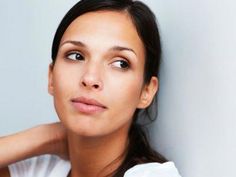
40	166
154	169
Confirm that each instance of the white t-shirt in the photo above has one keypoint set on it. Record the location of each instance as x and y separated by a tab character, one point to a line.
54	166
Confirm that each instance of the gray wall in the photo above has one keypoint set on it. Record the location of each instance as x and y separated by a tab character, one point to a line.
26	32
197	98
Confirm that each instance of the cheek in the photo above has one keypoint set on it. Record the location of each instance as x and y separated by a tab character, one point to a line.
123	96
125	91
64	86
64	80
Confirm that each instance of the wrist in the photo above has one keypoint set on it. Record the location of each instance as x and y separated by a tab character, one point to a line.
43	140
53	139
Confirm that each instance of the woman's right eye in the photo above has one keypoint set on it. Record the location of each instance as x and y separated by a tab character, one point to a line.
74	56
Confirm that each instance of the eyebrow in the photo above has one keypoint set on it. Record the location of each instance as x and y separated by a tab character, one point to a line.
114	48
77	43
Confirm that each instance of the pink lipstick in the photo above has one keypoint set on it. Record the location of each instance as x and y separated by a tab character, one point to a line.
87	106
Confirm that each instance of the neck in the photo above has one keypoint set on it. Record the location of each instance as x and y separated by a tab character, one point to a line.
96	156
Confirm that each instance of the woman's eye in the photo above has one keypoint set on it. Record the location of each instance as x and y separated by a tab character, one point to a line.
74	56
121	64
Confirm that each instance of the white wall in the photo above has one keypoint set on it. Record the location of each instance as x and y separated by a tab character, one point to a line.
196	126
197	97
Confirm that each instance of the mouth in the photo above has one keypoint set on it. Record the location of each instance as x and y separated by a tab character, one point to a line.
87	106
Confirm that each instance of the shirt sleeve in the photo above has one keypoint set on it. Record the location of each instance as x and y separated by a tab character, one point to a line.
167	169
40	166
22	168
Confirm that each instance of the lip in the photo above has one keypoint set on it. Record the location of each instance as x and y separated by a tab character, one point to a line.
87	105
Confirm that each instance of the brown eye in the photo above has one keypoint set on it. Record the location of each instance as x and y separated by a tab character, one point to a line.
75	56
121	64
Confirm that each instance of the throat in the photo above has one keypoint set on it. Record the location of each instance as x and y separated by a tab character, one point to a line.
95	157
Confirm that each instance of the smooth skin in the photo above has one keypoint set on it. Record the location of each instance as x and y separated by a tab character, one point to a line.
42	139
100	57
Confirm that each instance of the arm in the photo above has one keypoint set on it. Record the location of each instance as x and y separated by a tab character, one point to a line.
43	139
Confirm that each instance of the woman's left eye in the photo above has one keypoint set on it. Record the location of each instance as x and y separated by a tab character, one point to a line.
74	56
121	64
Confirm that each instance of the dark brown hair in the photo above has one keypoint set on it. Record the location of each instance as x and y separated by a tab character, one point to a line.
139	150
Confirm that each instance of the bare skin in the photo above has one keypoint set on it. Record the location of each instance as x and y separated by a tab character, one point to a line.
99	156
43	139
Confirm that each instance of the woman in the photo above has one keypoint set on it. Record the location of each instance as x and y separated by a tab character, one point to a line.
103	78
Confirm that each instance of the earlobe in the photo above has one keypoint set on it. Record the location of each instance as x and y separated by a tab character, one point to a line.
148	93
50	80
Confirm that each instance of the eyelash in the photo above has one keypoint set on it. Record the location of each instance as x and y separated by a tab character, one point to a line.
76	55
124	62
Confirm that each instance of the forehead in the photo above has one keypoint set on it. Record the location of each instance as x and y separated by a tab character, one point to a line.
105	28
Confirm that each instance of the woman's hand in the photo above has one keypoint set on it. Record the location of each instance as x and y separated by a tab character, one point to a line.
42	139
58	140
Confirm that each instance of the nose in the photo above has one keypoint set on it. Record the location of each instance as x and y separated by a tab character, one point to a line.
91	79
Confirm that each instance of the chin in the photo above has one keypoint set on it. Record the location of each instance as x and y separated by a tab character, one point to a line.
84	130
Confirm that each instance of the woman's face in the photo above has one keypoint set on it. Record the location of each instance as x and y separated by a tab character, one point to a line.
97	79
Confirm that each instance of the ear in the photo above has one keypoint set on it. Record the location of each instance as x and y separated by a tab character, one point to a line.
50	80
148	93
